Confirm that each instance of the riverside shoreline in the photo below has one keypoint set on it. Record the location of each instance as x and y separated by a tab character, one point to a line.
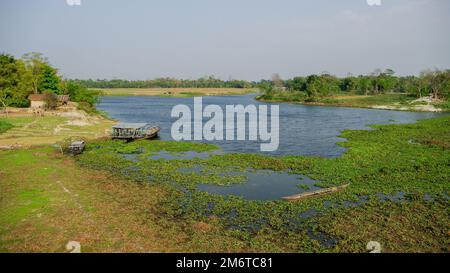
377	102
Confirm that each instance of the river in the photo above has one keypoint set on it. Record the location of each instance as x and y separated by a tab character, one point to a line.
304	130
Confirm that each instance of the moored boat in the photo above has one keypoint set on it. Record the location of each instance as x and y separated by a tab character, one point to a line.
132	131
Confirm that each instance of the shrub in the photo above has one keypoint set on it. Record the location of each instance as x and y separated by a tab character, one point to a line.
51	100
86	98
5	126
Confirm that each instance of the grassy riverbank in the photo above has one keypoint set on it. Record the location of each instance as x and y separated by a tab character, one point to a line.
402	102
47	200
176	92
103	198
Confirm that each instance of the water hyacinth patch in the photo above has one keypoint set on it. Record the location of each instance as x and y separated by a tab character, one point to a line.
413	170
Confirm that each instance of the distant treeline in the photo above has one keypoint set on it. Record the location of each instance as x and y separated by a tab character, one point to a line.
206	82
435	83
33	74
432	82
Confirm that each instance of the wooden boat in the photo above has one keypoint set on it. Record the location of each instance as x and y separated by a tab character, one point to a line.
315	193
131	131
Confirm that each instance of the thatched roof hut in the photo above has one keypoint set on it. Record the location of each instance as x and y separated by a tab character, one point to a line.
38	97
39	100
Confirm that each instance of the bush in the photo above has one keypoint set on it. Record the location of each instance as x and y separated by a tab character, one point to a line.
86	107
5	126
18	102
444	105
51	100
86	98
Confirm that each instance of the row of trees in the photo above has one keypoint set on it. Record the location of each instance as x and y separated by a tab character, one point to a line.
205	82
432	82
33	74
435	83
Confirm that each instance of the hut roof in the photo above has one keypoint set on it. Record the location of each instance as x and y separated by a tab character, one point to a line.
130	125
38	97
43	97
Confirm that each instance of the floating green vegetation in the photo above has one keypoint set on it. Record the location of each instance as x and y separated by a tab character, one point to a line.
412	159
304	187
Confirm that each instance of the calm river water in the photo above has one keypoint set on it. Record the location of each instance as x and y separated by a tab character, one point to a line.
304	130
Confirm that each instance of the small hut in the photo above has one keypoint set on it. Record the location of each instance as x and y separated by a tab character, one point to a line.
38	101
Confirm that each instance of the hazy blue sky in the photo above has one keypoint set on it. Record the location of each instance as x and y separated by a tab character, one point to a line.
242	39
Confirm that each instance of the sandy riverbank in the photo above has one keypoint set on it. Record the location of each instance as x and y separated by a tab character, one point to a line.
31	130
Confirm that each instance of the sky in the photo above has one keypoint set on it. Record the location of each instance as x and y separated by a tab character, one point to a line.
230	39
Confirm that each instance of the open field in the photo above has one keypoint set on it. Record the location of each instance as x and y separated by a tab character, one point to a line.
109	202
26	131
395	101
176	92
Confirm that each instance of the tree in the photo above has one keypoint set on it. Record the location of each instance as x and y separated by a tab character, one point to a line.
267	88
329	85
8	77
277	82
386	83
35	64
51	101
210	82
364	85
349	84
438	83
49	80
375	80
14	87
312	86
411	85
78	93
298	84
389	72
388	80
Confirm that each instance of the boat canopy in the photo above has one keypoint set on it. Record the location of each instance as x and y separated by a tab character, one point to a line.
133	126
78	143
